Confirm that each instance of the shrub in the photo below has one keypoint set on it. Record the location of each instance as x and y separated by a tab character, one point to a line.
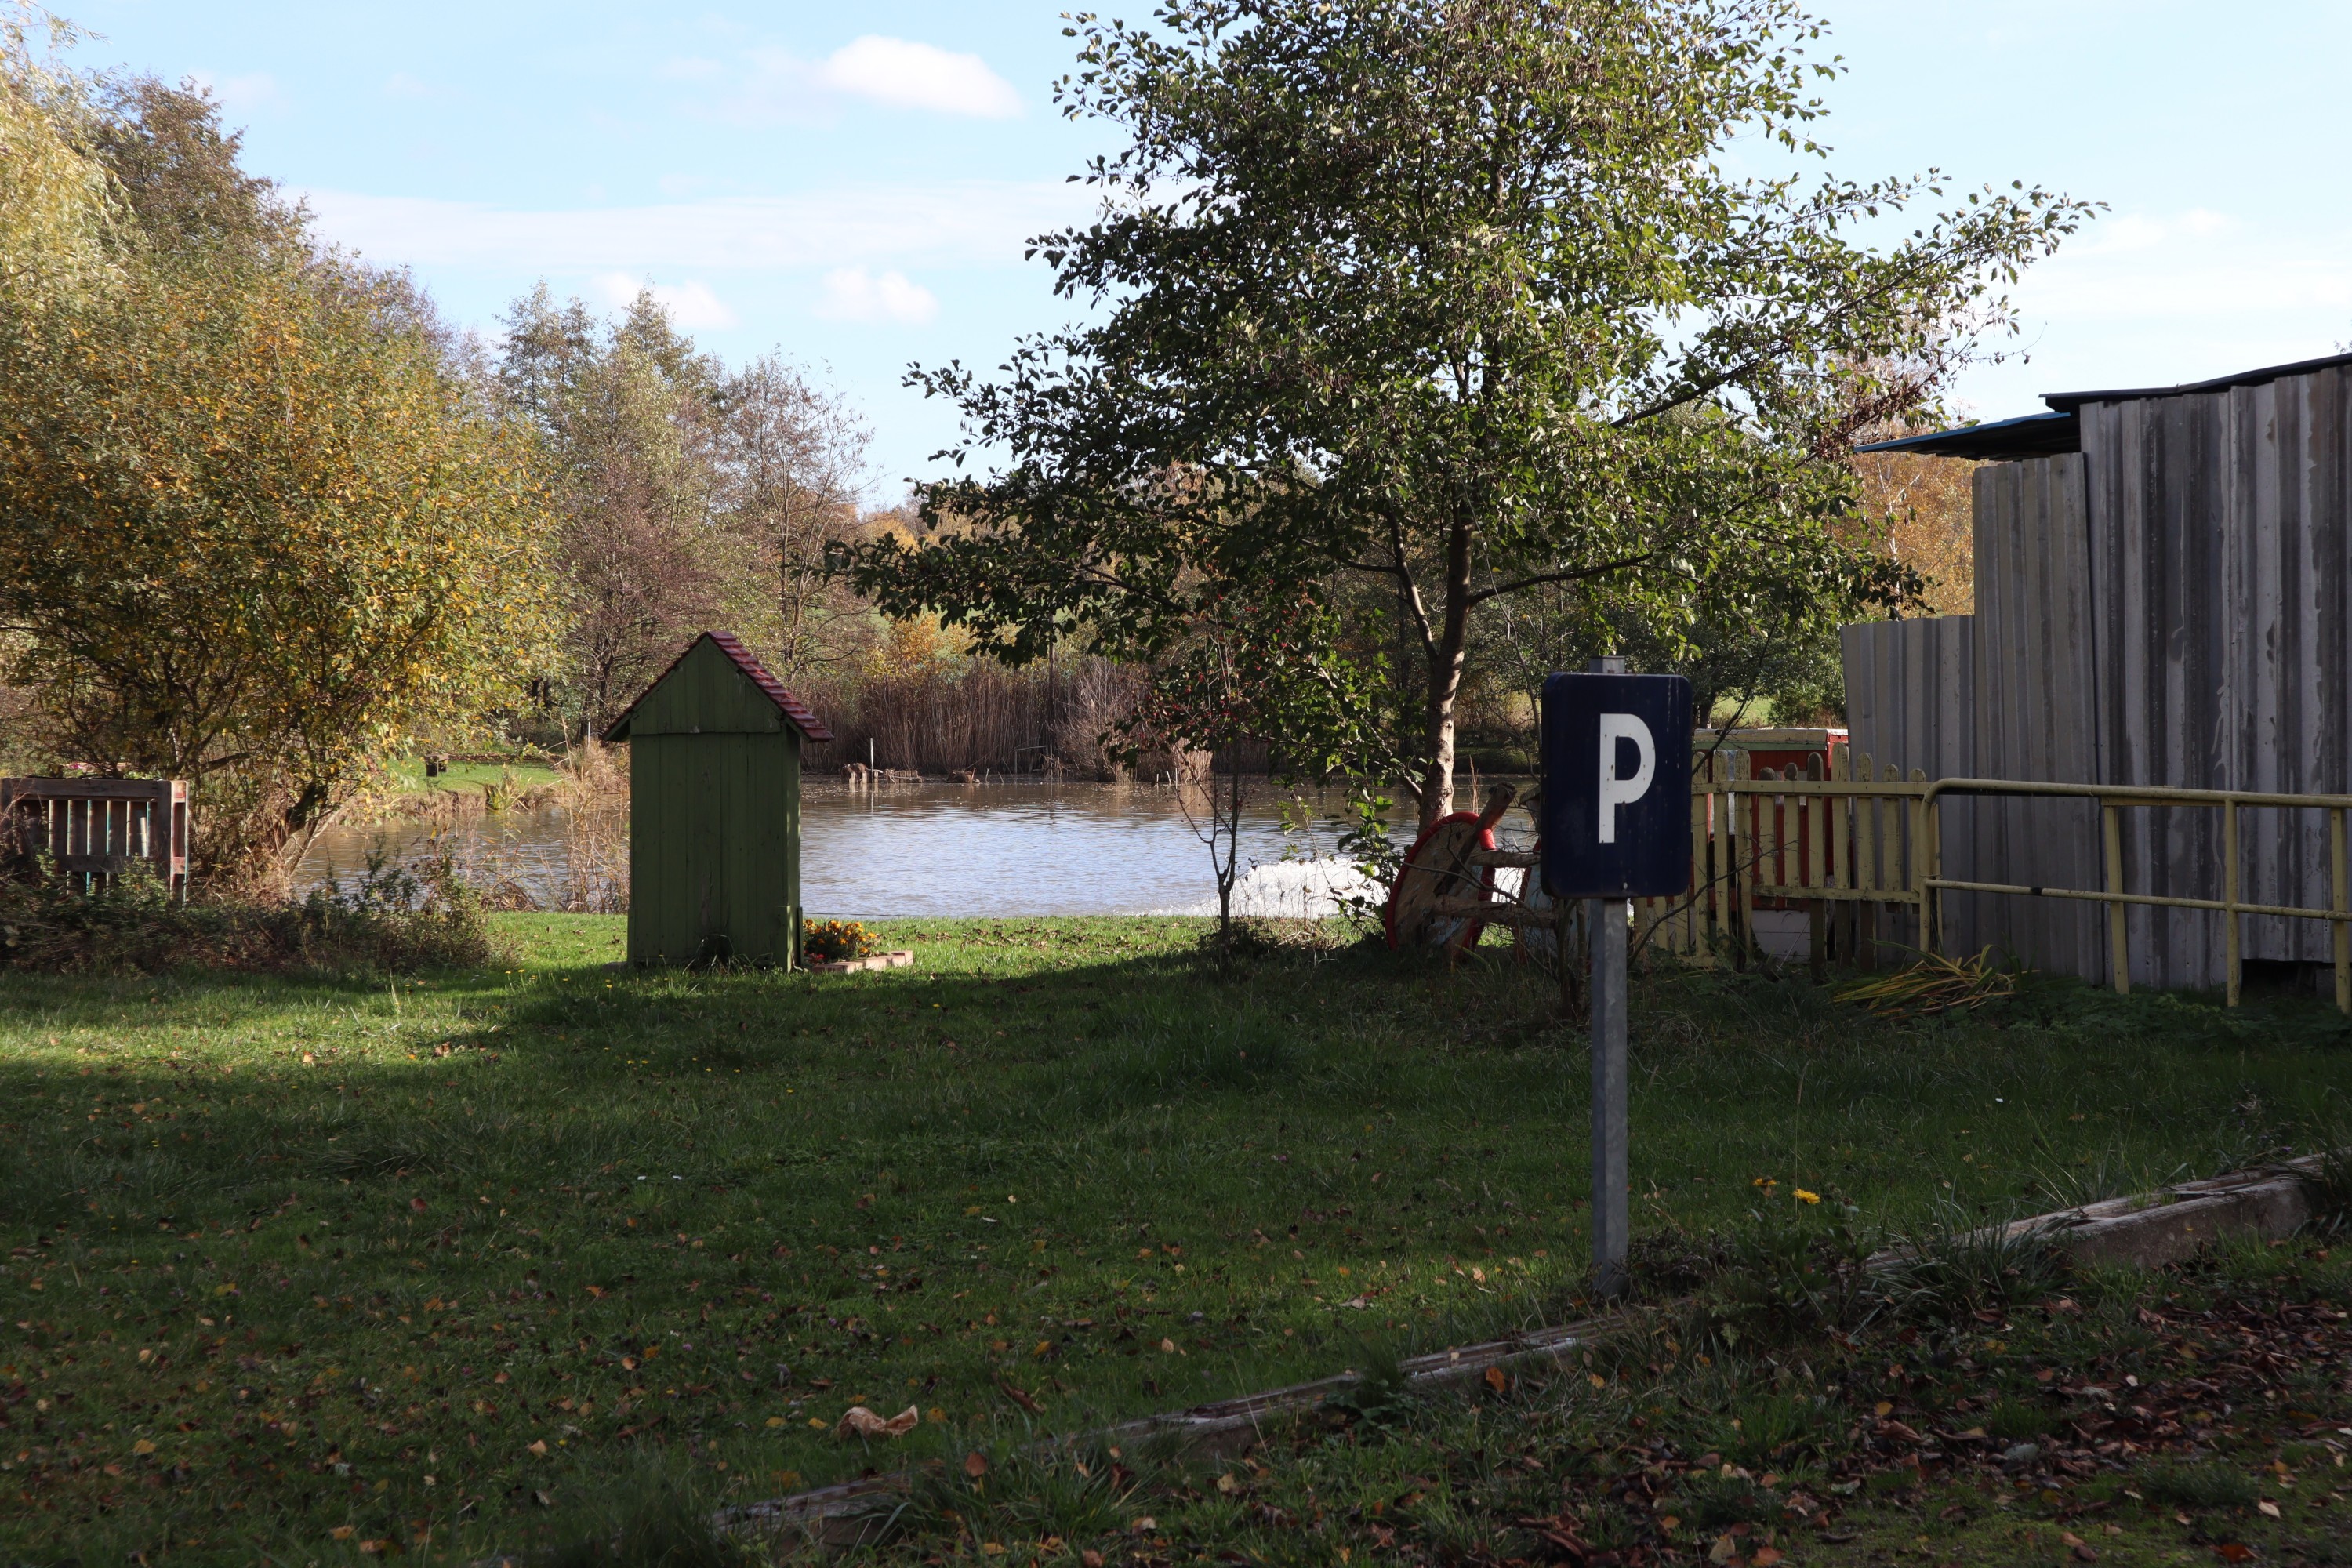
397	918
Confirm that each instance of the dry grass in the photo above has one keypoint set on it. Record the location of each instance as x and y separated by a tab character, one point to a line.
593	792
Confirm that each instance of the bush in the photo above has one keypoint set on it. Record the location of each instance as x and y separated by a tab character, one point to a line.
396	920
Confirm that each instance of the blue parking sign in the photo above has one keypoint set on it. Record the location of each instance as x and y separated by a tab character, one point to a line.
1616	788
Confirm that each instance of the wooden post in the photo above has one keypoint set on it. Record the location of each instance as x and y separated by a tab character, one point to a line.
1812	834
2118	912
1930	864
2340	899
1745	825
2229	898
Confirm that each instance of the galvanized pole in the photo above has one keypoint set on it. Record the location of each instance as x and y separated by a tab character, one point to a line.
1604	939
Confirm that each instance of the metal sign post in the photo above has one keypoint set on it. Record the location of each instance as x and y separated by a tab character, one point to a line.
1616	825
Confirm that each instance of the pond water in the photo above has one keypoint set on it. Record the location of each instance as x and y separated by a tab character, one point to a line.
942	849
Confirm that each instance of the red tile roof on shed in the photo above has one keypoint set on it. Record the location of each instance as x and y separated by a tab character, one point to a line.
790	705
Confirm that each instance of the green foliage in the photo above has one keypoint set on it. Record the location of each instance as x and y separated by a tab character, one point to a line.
1402	308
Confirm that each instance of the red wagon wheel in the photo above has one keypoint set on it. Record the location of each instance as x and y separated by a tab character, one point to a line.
1438	867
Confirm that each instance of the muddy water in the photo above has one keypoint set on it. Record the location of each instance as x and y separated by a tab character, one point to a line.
944	849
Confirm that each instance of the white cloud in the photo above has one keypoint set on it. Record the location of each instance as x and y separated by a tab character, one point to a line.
766	85
977	221
854	294
692	306
908	75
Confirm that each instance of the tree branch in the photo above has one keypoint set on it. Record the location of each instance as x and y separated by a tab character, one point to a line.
1541	578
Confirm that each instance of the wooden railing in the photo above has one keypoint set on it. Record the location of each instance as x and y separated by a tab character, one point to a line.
93	830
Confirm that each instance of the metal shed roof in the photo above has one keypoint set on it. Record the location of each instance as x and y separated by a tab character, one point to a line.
2061	430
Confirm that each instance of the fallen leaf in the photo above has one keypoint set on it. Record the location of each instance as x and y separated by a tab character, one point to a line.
2231	1552
975	1464
1226	1484
1021	1396
1765	1556
416	1204
144	1446
2268	1507
1090	1558
540	1448
1724	1550
1168	1346
343	1532
1496	1380
860	1422
1145	1524
1882	1409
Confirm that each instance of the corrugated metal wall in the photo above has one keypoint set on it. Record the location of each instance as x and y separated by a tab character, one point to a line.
2172	606
2224	601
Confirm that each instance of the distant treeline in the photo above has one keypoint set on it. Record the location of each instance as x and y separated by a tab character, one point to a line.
1067	718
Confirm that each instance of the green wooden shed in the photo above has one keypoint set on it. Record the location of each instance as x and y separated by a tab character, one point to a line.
715	810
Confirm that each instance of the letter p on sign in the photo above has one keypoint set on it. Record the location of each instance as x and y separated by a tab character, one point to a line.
1618	789
1616	805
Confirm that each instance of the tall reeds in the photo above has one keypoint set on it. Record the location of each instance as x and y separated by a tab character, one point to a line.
593	795
980	716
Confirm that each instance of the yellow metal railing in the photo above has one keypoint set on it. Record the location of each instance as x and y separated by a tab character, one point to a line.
2113	800
1863	846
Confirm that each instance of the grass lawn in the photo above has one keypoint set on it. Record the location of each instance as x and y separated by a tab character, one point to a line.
408	776
300	1265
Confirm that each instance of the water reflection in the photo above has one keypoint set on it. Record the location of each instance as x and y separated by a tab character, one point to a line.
949	850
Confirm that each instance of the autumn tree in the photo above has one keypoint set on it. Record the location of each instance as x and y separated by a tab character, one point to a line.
1420	305
253	526
792	462
689	496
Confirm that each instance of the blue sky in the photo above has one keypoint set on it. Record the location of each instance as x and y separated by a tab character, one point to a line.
852	184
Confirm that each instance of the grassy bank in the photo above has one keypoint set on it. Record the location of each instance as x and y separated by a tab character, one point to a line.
303	1265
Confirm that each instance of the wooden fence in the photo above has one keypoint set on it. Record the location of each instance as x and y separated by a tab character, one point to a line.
1838	852
93	830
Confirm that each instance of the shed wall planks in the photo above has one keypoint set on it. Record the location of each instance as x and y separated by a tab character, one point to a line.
2172	606
2032	718
2218	531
